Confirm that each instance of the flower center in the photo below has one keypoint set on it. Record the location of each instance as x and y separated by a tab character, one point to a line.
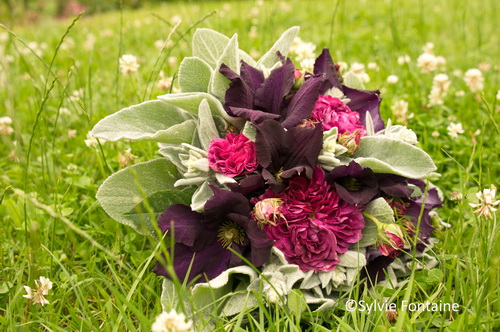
230	233
350	184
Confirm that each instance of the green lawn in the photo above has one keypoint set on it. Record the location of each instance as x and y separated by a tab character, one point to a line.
52	225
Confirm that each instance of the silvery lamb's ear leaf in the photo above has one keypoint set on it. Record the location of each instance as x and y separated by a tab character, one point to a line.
208	45
191	102
282	45
207	131
121	193
149	121
194	75
203	293
230	57
247	58
353	81
352	259
370	131
381	210
171	152
250	131
201	196
386	155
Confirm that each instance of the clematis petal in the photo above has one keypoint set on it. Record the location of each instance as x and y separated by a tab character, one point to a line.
413	211
210	261
302	103
324	65
254	116
222	203
270	95
363	101
188	228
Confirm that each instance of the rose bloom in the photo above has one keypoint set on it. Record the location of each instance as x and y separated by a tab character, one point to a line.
315	225
233	155
332	112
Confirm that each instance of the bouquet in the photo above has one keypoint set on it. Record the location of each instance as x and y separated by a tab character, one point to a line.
273	179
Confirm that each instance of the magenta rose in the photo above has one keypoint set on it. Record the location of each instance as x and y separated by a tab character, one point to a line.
315	225
233	155
332	112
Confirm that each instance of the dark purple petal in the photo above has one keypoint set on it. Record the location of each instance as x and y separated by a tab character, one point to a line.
281	150
324	65
269	96
210	261
260	245
222	203
239	94
248	184
375	269
305	144
354	184
188	228
430	202
394	185
253	116
302	103
363	101
253	77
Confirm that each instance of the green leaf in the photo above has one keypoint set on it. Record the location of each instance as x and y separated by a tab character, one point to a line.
150	121
381	210
209	45
230	57
282	45
201	196
190	102
296	302
123	191
194	75
353	81
207	131
386	155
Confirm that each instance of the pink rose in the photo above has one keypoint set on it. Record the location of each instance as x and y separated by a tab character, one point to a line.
233	155
332	112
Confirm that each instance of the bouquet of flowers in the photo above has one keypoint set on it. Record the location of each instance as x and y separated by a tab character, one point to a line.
273	178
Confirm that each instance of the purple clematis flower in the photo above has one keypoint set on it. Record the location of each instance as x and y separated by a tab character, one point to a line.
285	153
226	223
362	101
354	184
256	99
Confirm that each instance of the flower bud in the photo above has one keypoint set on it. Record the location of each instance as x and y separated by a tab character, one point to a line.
268	211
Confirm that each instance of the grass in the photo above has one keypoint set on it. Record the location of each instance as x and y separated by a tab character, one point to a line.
52	225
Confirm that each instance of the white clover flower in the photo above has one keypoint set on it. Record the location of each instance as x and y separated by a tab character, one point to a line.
392	79
302	50
38	295
373	66
5	128
400	111
486	202
253	32
484	66
454	129
92	141
64	111
440	86
403	59
428	47
89	42
457	73
128	64
474	80
76	95
68	44
498	95
343	66
460	93
435	134
171	322
172	61
307	64
428	62
72	133
4	36
176	19
359	69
